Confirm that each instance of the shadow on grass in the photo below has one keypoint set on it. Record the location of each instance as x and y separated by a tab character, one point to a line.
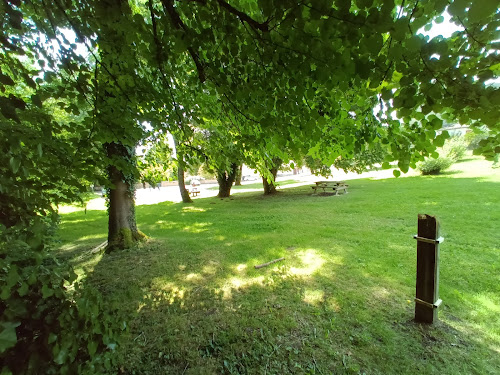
340	302
335	318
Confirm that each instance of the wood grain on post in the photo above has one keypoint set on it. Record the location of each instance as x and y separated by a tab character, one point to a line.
427	289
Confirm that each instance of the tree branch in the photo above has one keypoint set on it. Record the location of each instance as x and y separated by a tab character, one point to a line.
469	34
262	26
168	6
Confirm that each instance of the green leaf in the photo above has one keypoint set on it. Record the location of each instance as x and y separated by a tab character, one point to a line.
60	354
23	290
396	173
14	164
47	291
8	336
12	277
6	80
92	348
52	338
480	10
36	100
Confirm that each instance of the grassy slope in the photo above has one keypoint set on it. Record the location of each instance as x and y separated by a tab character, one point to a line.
341	302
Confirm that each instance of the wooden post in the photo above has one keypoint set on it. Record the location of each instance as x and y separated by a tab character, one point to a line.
427	291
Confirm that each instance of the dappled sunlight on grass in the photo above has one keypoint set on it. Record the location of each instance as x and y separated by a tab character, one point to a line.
311	261
211	268
241	267
78	242
340	302
197	227
238	283
314	296
193	209
194	276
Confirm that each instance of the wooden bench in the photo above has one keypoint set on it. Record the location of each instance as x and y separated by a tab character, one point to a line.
194	192
335	186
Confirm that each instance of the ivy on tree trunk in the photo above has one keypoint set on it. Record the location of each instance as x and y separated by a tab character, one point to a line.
122	226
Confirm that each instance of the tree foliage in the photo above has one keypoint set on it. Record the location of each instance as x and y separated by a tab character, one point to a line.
274	78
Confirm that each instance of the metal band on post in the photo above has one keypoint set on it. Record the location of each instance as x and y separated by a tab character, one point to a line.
434	305
429	240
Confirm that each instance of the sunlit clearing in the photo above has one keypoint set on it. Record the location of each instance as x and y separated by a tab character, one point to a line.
193	209
69	209
313	297
311	262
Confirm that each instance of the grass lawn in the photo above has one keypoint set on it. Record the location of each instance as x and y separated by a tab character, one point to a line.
256	185
342	300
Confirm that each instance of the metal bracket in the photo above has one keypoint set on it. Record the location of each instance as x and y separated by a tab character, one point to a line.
429	240
434	305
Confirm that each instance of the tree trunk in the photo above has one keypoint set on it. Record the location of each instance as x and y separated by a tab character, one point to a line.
117	113
225	180
180	177
180	174
239	176
122	227
270	186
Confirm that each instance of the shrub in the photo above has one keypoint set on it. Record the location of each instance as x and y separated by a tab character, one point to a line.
473	138
50	324
455	148
434	166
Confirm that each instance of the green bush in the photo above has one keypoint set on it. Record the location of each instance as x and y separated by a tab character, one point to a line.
473	138
434	166
50	324
455	148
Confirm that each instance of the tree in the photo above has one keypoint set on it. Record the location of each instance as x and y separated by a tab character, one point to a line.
239	176
223	154
156	164
179	148
298	76
270	182
117	109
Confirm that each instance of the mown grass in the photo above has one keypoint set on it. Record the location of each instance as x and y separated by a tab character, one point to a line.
341	301
256	185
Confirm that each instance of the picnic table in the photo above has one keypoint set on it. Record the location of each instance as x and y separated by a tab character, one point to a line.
194	191
335	186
